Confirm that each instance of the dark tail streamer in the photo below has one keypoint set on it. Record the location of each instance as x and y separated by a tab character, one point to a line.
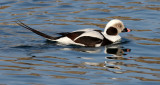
35	31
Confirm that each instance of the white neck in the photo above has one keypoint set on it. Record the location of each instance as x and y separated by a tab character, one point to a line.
111	37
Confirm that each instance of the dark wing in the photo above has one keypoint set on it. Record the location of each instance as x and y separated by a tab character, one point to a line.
89	41
74	35
63	33
71	35
35	31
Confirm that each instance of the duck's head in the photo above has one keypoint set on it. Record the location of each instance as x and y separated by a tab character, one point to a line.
114	27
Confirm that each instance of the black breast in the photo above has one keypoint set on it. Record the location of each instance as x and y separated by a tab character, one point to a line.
106	42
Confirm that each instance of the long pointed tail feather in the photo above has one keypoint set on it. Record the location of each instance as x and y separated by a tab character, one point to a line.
35	31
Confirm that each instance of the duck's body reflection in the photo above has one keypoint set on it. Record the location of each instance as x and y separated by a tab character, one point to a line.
116	52
113	53
85	49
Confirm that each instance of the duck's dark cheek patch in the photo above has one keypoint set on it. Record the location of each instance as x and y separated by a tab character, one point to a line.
112	31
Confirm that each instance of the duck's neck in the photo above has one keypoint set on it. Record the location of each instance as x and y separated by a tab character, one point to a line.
111	37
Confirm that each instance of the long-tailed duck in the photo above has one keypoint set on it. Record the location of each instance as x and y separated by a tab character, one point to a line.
87	37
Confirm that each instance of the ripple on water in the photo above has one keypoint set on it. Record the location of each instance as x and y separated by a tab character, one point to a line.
28	59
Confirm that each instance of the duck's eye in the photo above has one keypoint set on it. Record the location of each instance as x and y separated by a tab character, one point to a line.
112	31
119	25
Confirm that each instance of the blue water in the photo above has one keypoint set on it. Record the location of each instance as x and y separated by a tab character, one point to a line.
28	59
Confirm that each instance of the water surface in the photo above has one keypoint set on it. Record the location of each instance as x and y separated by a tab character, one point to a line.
27	59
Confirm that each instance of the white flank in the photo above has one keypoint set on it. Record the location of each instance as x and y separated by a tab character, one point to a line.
67	41
91	34
85	30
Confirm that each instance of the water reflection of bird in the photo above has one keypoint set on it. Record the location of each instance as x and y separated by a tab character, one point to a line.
87	37
114	52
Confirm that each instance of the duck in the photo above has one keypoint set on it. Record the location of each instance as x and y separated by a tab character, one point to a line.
88	37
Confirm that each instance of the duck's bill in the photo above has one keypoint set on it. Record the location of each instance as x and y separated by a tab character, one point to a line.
126	30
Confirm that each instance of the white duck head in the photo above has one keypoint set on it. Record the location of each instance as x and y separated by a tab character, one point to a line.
114	27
